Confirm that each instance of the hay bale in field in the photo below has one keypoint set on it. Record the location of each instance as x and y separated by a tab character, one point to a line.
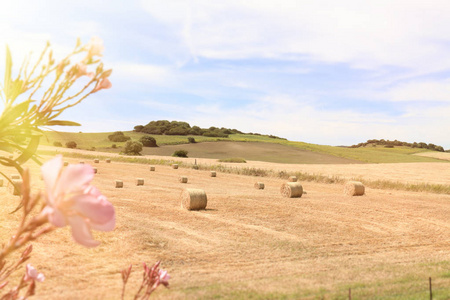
213	174
291	190
193	199
15	187
108	161
139	181
183	179
95	170
174	166
96	161
259	186
354	188
15	176
119	184
152	168
66	163
293	179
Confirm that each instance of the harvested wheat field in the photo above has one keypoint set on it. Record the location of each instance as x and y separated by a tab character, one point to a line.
249	243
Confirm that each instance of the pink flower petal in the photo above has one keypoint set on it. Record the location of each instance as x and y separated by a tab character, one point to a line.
55	216
40	277
50	172
97	209
108	226
75	178
81	233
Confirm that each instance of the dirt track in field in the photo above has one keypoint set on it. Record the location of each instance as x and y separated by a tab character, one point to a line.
246	239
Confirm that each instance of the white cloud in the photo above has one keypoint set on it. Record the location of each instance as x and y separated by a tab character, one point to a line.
422	91
142	73
365	34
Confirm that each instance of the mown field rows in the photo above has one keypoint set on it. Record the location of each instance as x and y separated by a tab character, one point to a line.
252	244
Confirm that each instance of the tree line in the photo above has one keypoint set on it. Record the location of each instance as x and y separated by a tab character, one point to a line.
391	144
164	127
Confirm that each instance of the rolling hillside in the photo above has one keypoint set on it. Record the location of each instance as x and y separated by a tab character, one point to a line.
261	148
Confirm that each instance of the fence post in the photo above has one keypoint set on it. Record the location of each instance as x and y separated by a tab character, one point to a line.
431	291
349	293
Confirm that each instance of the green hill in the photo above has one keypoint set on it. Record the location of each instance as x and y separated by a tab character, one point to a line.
258	150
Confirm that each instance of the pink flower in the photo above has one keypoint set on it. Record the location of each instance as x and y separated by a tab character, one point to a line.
72	200
164	277
81	70
95	47
102	84
32	274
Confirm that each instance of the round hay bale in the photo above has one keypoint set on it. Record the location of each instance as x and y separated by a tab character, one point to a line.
174	166
95	170
183	179
15	176
139	181
291	190
108	161
152	168
193	199
293	179
66	163
213	174
354	188
119	184
259	186
96	161
16	187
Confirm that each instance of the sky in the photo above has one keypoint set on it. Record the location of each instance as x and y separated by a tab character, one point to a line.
325	72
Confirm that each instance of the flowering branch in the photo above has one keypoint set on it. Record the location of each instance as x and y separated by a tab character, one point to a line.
151	279
69	198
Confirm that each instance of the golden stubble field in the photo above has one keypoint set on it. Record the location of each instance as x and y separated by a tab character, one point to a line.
249	243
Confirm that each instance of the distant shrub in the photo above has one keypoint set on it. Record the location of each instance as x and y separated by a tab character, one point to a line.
114	146
180	153
215	133
133	148
388	146
177	131
118	136
138	128
71	144
148	141
191	140
233	160
57	144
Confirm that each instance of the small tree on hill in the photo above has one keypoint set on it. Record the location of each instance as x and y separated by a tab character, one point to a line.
180	153
118	136
148	141
71	144
133	148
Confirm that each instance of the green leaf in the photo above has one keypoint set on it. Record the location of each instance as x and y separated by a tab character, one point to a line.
62	123
30	150
8	68
13	112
